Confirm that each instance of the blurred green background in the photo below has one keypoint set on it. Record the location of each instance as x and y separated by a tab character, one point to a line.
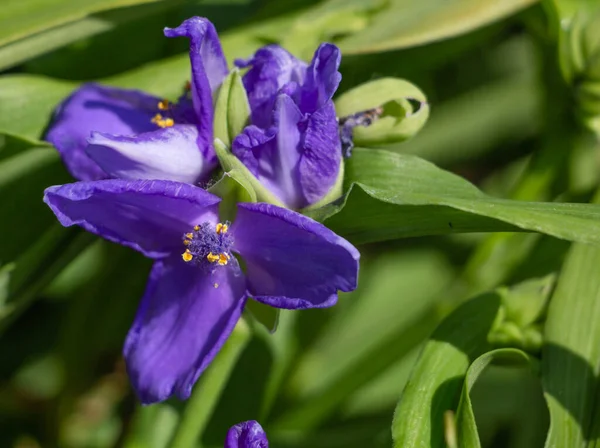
508	113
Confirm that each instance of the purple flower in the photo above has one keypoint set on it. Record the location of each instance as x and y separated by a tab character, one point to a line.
197	290
293	146
103	131
246	435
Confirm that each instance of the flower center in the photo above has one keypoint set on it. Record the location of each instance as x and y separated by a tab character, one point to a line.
208	245
160	120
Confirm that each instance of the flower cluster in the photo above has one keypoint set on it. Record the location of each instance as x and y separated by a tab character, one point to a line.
140	160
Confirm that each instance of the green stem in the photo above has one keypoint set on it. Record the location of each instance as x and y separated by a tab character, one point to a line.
208	389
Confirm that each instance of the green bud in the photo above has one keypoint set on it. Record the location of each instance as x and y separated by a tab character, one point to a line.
404	110
232	110
579	57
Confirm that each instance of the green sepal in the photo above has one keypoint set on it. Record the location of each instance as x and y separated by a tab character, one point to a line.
232	110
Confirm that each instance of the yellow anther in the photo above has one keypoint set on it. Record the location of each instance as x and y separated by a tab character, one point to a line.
162	122
222	228
196	228
163	105
223	259
187	256
212	257
186	242
189	235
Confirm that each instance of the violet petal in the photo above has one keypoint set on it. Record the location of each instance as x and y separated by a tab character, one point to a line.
319	165
271	68
185	317
209	68
170	153
246	435
322	78
292	261
97	108
149	216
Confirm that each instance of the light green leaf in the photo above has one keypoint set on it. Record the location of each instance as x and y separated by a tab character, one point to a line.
37	44
437	378
465	419
399	196
571	354
405	23
26	103
400	119
21	18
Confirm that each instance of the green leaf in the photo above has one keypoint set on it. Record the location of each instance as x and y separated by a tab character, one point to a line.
28	47
26	103
437	378
399	120
232	109
465	419
22	18
405	24
21	281
398	196
571	353
350	352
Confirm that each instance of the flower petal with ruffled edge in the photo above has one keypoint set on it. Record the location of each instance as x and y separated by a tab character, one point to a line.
273	155
321	151
209	68
169	154
184	319
246	435
97	108
149	216
322	78
292	261
271	68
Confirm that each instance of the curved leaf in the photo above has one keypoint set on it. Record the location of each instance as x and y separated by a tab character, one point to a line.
465	419
398	196
571	354
437	378
21	18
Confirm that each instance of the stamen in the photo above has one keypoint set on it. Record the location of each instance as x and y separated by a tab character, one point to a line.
187	256
163	105
222	228
212	257
162	122
223	259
